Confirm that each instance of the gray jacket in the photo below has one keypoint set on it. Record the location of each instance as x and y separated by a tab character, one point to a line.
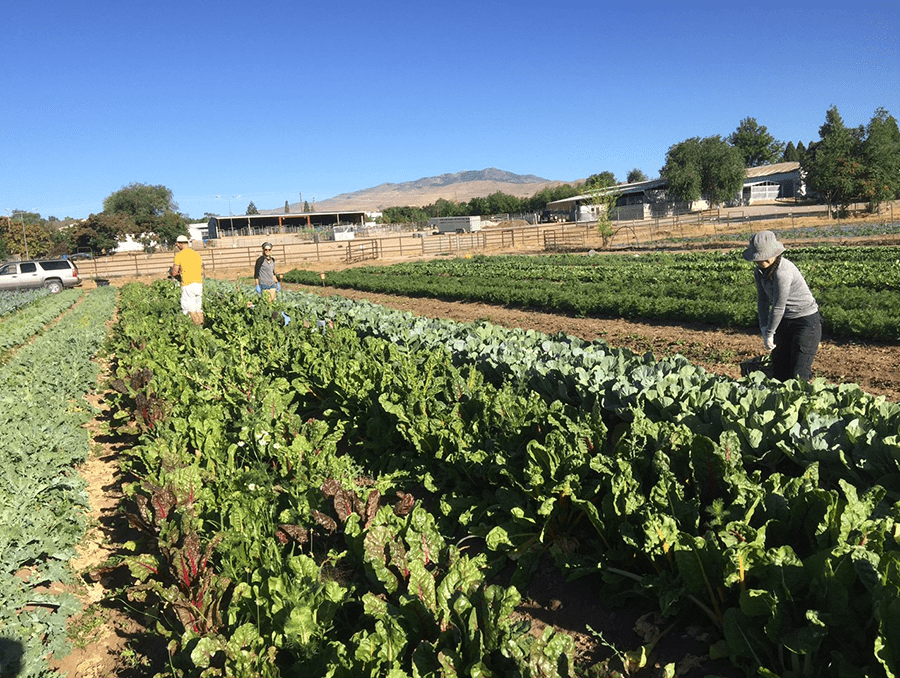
783	295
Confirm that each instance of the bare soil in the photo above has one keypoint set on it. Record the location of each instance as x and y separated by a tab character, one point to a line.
113	639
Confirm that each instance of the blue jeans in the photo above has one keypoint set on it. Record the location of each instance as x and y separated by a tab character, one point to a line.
796	344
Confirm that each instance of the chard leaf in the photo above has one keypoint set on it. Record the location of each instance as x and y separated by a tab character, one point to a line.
301	627
421	584
375	556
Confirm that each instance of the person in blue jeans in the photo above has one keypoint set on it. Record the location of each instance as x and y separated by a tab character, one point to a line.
789	318
267	281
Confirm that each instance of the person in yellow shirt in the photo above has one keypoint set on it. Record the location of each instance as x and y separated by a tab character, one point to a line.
189	267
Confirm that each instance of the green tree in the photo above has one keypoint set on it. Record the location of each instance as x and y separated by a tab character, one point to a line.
404	215
603	199
502	203
832	164
152	216
881	159
167	229
478	206
102	232
24	237
142	202
601	180
682	170
708	168
305	206
790	153
635	176
756	145
251	208
287	207
446	208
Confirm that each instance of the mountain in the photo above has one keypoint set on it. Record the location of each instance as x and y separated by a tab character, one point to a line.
458	187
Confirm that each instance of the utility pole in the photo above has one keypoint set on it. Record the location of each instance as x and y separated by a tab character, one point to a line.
24	239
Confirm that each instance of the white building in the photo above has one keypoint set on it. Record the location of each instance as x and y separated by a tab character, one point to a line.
648	199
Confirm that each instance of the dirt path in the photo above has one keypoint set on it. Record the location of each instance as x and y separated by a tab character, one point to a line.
875	367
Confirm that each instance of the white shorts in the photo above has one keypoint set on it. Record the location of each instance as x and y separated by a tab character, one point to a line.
192	298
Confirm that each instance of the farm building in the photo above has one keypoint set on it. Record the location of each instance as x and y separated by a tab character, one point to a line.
267	224
647	199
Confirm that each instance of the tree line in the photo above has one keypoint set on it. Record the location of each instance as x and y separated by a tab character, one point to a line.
495	203
147	213
844	166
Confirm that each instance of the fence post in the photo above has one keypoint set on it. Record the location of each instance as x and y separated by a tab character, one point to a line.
212	261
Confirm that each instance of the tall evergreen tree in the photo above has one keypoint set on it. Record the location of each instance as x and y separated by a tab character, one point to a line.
251	208
756	145
832	165
881	158
790	153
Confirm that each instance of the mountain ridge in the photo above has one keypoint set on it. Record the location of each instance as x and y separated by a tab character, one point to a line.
457	187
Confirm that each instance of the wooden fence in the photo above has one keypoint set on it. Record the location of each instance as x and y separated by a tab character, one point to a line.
227	260
222	260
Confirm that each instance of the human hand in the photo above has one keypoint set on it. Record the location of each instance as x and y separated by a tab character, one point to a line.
769	341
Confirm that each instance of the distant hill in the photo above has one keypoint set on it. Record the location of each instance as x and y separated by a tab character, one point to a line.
458	187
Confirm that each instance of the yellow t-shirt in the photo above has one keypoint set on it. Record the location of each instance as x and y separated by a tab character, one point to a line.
191	266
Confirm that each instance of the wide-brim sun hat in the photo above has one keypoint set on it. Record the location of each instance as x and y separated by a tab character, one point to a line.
182	238
763	245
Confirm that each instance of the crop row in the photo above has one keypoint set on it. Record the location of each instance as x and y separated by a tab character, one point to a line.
830	232
42	500
302	488
33	317
12	300
858	289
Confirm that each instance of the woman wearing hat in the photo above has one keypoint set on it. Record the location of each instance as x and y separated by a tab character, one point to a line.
788	313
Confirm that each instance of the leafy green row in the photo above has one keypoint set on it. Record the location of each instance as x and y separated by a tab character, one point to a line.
264	541
20	326
286	434
853	434
41	496
12	300
858	289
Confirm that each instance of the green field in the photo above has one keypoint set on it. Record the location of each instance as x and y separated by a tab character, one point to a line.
858	288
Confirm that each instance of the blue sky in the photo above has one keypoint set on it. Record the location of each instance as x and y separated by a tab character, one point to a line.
273	100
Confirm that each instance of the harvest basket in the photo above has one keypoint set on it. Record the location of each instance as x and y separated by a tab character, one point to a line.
761	363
